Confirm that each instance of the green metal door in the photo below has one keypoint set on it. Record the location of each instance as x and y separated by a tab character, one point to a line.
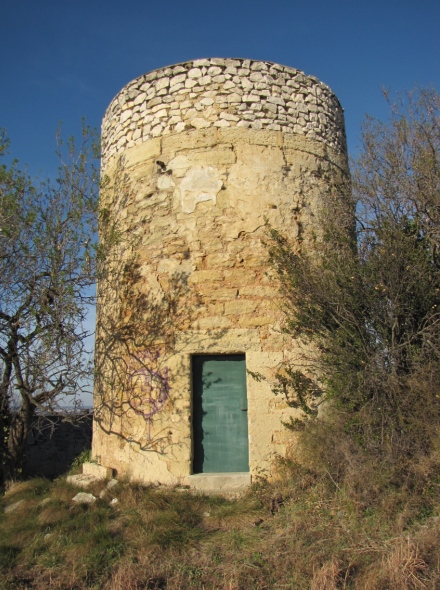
220	427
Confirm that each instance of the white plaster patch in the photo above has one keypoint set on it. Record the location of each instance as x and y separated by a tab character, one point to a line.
200	183
164	182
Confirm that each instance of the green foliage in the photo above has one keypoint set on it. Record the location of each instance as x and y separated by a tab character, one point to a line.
83	457
365	303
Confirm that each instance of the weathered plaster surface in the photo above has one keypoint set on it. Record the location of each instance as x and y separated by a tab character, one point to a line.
199	184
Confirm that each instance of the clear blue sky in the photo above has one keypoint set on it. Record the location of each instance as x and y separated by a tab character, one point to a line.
61	61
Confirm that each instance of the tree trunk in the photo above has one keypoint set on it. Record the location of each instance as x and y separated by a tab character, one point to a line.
5	418
16	447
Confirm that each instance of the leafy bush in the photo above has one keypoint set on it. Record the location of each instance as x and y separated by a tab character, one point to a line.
365	302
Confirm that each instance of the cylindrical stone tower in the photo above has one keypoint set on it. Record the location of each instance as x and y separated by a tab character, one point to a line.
199	156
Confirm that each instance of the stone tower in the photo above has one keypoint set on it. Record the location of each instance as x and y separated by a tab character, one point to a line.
198	157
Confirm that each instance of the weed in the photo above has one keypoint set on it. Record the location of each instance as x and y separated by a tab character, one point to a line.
83	457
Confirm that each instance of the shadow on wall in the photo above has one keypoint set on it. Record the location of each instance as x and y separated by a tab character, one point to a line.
53	444
139	312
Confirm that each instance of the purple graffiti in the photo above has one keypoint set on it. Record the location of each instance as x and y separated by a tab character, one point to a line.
150	385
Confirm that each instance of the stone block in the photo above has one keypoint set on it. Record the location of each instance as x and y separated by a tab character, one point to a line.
12	507
145	151
98	471
236	134
239	277
222	123
195	139
200	123
250	290
82	481
220	155
206	276
210	323
194	73
240	306
255	321
111	484
83	498
219	483
219	260
214	292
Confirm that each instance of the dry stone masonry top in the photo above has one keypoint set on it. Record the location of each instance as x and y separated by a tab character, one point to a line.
222	93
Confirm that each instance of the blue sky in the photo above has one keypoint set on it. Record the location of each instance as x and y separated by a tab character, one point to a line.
62	61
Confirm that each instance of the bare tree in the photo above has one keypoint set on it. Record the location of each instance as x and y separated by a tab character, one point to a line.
48	239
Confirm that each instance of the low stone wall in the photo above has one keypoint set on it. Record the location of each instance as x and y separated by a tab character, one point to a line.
222	93
53	445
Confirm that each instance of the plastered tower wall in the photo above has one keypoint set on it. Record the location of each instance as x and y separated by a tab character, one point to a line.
210	149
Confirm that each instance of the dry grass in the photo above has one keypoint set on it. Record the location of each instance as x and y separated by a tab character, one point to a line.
324	525
402	566
330	576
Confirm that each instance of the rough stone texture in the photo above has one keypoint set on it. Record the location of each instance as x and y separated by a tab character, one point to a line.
223	483
110	485
84	498
255	94
92	473
13	507
197	198
81	480
99	472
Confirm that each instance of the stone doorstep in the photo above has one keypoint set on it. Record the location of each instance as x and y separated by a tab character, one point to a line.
220	483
